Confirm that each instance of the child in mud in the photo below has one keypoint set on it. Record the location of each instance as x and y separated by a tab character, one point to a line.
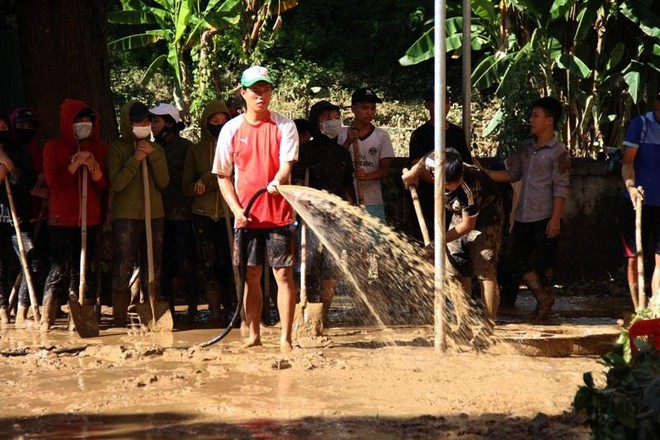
328	167
125	158
543	164
78	147
474	234
259	148
214	267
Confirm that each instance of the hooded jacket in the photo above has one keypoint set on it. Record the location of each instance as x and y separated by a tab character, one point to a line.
125	174
66	188
198	166
175	202
32	146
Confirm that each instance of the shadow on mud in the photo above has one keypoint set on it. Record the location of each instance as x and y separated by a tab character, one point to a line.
178	426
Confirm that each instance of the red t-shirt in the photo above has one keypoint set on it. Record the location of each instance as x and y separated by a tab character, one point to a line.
254	154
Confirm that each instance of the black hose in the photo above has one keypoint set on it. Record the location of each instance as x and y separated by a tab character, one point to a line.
242	269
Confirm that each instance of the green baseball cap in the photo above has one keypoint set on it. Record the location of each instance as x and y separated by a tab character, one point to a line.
255	74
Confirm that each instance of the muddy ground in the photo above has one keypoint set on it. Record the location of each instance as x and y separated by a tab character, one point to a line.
354	382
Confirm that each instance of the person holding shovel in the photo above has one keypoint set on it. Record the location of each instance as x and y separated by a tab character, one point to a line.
178	240
474	234
77	150
259	148
329	167
210	219
371	150
129	205
15	169
641	176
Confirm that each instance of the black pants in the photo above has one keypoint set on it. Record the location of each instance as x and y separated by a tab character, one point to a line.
214	256
179	256
65	251
129	241
8	265
532	250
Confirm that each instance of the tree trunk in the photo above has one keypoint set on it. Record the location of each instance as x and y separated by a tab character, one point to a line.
64	55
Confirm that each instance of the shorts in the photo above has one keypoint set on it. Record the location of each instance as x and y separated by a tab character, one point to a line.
650	228
531	249
278	243
475	254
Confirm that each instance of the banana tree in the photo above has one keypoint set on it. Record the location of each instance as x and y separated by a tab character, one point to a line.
180	24
596	52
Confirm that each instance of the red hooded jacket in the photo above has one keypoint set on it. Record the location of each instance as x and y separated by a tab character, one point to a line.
66	188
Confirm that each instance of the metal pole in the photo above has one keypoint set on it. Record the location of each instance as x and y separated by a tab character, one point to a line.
440	81
467	73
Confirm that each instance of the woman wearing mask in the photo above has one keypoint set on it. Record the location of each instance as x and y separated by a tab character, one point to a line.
125	158
16	167
214	257
330	169
77	148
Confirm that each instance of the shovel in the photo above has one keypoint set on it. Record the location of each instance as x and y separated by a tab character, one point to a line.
419	213
21	253
155	315
307	318
84	316
356	165
641	287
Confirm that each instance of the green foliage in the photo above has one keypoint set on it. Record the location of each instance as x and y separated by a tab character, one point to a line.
602	57
629	405
523	83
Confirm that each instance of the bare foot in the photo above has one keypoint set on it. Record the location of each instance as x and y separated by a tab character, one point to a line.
253	342
285	347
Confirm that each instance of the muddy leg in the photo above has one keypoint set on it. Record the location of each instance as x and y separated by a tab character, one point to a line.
286	304
49	310
4	316
544	297
212	293
253	304
490	295
327	294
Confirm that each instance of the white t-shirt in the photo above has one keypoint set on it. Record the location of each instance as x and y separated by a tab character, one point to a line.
373	148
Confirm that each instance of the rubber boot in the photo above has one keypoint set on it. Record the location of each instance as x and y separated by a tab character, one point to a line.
4	317
21	316
120	302
543	296
49	312
212	293
327	294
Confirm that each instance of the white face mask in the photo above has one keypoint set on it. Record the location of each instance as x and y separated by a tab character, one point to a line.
331	128
142	132
82	130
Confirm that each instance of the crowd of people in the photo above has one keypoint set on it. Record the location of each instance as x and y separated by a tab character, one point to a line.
198	194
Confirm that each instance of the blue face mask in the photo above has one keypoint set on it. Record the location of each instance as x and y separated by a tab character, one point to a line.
331	128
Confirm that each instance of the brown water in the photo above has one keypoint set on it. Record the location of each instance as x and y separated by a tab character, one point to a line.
400	289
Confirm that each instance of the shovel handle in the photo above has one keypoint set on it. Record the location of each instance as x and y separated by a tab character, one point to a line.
149	233
82	286
641	292
21	252
356	163
419	213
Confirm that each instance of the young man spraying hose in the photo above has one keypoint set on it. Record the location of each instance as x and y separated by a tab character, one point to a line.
259	147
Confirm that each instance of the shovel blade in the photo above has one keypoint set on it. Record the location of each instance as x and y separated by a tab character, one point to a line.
85	319
163	322
308	320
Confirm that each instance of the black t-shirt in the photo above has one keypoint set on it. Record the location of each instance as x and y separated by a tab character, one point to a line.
477	195
421	143
330	167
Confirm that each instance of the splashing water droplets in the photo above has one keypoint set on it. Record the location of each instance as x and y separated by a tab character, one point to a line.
391	279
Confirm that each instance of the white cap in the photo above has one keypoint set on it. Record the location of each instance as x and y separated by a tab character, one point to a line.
166	109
